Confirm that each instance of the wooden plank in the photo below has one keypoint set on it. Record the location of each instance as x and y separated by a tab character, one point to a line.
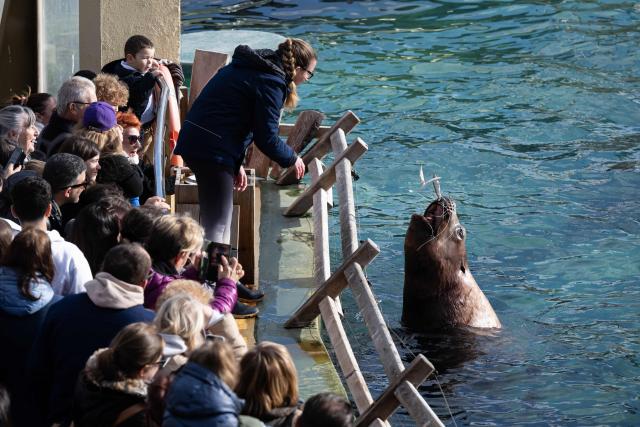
184	102
378	331
303	131
348	363
286	129
347	122
322	263
190	209
234	239
258	161
309	310
344	187
304	202
321	259
386	404
186	193
419	410
205	65
248	229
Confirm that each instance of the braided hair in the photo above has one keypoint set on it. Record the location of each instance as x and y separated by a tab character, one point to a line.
294	53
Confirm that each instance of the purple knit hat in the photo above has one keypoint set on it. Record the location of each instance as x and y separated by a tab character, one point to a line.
99	115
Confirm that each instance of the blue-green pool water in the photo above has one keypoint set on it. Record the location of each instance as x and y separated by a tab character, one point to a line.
530	113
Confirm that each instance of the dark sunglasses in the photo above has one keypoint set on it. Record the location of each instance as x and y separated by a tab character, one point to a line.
134	138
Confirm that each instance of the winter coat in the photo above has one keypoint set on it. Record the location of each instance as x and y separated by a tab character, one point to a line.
241	103
140	85
73	329
57	129
98	402
163	273
197	397
20	321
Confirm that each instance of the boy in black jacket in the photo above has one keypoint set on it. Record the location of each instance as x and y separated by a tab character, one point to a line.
138	69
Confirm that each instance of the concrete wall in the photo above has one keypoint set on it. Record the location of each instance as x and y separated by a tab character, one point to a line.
105	25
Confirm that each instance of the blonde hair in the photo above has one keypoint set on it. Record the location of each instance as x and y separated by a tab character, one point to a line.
173	234
111	90
294	53
268	379
192	288
108	142
217	356
182	315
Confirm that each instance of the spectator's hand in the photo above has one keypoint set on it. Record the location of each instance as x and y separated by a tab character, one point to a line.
157	202
230	270
240	181
10	169
300	168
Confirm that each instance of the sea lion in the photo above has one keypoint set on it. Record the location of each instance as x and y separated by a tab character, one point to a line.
439	290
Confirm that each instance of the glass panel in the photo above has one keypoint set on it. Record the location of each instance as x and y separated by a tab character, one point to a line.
60	42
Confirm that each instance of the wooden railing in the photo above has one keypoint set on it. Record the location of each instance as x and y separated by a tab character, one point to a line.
402	381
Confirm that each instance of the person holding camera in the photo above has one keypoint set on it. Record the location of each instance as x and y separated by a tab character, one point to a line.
175	247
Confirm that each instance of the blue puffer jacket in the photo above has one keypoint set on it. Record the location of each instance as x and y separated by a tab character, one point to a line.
241	103
13	302
198	398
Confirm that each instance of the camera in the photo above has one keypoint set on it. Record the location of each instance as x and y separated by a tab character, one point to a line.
212	259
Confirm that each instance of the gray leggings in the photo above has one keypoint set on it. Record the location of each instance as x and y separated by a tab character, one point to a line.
215	194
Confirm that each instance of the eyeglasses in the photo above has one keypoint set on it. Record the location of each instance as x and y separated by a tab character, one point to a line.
82	103
134	138
82	184
308	72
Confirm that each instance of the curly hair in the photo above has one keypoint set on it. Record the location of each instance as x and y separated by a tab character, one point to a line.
111	90
128	120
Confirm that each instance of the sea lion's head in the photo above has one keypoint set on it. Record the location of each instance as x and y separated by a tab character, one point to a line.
439	289
437	240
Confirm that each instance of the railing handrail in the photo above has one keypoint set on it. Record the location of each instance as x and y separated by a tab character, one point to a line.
158	138
403	381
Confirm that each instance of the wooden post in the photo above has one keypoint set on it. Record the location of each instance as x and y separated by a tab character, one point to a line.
347	122
378	331
306	127
248	243
321	261
304	202
385	405
321	264
344	184
332	287
419	410
344	354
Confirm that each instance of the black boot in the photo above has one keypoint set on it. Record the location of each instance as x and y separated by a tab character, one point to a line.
247	295
243	311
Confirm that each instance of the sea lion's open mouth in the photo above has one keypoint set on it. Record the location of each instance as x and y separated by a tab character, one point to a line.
437	212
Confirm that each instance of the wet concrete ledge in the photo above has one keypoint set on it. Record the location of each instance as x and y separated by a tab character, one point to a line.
286	276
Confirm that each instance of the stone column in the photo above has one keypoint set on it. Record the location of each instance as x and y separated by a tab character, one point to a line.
105	25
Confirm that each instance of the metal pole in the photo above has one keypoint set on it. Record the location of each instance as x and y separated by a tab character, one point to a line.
158	141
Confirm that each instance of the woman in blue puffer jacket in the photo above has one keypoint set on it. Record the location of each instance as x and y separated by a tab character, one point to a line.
201	393
241	104
26	294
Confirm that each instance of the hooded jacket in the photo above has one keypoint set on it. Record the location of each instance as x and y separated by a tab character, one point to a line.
241	103
197	397
73	329
72	269
99	402
20	321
